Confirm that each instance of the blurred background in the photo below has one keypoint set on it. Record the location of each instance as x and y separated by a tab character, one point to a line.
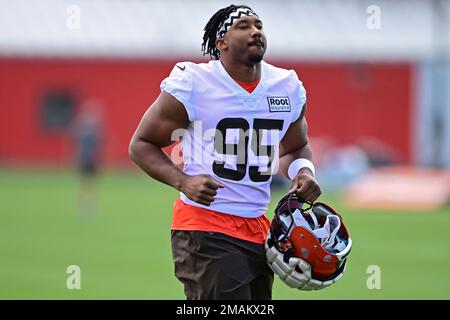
76	77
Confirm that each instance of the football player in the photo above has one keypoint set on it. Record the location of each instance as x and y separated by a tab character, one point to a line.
257	114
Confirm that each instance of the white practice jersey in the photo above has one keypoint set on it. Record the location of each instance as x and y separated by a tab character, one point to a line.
233	135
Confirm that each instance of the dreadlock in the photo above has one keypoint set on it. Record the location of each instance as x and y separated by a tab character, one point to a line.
211	28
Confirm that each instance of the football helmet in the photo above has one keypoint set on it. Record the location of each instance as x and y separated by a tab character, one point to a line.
307	244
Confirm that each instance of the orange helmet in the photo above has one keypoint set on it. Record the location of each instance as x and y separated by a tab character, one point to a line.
316	234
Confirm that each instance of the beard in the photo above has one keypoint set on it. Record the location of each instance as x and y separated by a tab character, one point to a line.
255	58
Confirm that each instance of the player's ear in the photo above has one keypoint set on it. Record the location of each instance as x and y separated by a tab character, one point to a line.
221	44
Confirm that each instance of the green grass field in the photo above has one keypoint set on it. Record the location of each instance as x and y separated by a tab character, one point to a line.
124	251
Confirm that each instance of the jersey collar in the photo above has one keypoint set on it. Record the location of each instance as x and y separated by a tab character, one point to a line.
249	99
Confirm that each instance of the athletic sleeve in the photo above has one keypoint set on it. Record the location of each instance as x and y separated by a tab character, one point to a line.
299	97
179	84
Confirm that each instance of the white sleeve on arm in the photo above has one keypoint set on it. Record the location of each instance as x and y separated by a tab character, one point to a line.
299	97
179	84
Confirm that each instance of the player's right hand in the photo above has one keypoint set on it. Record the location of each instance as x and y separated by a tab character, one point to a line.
200	188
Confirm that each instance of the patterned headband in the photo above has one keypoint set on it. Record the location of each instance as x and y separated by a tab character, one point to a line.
234	15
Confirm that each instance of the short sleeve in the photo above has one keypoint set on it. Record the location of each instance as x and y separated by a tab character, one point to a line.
299	97
179	84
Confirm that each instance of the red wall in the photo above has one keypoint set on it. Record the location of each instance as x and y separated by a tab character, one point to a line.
345	101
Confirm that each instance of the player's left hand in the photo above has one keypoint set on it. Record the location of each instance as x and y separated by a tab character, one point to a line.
305	185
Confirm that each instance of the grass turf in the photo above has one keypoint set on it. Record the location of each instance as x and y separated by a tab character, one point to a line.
124	250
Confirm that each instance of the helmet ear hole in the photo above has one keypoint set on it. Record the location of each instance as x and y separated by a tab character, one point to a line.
298	270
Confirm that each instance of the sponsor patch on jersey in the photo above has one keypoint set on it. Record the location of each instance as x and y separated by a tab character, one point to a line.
279	104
